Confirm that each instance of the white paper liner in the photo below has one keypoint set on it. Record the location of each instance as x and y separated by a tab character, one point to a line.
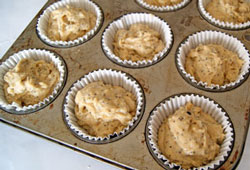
226	25
214	37
107	76
124	22
163	8
87	5
35	54
169	106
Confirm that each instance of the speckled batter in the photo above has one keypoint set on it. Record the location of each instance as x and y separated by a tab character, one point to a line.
30	82
69	23
103	109
233	11
138	43
213	64
190	137
163	2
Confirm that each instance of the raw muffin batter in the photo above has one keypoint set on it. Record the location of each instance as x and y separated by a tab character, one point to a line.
138	43
163	2
213	64
233	11
103	109
70	23
190	137
30	82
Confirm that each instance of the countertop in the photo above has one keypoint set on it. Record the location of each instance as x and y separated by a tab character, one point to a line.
24	151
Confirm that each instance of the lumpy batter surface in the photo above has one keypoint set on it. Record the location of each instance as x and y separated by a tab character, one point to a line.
213	64
30	82
233	11
103	109
70	23
190	137
139	42
163	2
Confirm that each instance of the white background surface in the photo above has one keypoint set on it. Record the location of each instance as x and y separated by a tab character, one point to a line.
20	150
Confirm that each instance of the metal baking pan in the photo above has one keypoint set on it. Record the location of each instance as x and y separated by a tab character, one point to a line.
159	81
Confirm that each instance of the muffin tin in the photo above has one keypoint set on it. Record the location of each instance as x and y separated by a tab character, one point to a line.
158	81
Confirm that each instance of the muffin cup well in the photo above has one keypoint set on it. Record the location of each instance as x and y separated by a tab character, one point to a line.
35	54
224	25
124	22
87	5
166	8
212	37
108	76
168	106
